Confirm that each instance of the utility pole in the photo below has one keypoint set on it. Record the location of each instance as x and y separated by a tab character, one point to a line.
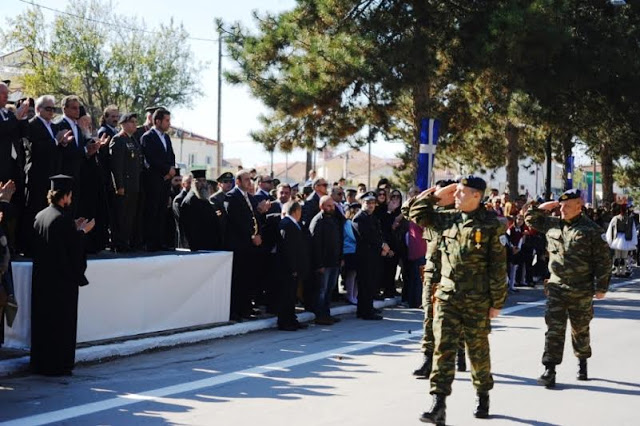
369	163
595	197
219	135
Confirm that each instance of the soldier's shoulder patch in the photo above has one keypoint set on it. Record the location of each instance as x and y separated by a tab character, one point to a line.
503	240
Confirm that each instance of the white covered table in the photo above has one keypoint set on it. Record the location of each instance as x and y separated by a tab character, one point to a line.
136	295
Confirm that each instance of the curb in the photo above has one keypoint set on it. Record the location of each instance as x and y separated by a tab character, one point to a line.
137	346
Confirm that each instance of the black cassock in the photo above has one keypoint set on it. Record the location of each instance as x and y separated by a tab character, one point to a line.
59	264
200	223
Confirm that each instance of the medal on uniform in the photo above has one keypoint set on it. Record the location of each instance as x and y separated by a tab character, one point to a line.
478	238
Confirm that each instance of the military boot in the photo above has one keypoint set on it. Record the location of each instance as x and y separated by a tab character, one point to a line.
548	378
425	369
482	405
582	370
436	414
461	360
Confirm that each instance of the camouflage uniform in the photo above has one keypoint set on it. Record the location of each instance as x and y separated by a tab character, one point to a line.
473	279
580	265
430	280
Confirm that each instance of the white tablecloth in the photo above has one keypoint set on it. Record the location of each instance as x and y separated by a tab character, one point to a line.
129	296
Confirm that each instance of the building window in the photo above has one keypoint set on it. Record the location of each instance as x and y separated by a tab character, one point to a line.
208	160
192	159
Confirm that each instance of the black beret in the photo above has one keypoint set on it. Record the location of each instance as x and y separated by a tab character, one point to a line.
199	174
61	182
226	177
571	194
474	182
126	117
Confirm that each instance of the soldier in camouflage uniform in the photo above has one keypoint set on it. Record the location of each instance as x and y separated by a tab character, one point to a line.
431	278
580	266
472	287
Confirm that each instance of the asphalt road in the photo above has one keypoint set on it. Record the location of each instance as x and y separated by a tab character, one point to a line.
353	373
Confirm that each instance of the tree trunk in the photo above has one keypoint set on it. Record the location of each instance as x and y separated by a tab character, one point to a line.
567	148
512	134
309	164
606	160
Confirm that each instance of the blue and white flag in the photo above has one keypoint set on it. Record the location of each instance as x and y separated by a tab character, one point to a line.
429	133
570	160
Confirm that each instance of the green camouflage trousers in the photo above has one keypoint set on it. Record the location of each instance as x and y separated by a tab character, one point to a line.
468	315
428	341
578	307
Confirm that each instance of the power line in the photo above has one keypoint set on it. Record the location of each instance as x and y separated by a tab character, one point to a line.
62	12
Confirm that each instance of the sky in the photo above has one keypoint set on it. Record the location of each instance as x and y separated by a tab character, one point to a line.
240	111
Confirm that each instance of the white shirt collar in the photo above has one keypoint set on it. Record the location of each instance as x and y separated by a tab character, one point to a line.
293	219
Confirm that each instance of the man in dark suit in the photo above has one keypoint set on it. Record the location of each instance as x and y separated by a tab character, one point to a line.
43	149
13	127
198	216
243	237
160	158
369	249
293	264
108	126
310	209
73	152
126	163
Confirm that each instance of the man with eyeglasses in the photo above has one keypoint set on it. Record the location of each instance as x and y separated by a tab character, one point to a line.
43	149
265	184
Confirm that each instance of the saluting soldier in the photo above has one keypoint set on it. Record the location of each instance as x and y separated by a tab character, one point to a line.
430	281
472	287
126	160
580	267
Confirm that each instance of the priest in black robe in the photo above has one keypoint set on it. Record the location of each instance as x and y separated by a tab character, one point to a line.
198	216
59	264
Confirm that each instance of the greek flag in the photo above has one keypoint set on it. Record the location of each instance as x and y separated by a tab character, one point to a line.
429	133
570	160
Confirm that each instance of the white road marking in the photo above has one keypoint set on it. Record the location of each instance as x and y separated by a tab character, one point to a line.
157	394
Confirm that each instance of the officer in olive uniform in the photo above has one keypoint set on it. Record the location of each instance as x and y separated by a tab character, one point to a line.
580	267
225	184
472	287
431	278
125	158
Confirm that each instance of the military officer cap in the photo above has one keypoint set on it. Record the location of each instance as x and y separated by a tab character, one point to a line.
126	117
199	174
474	182
351	191
368	196
571	194
61	183
295	186
212	182
226	177
354	205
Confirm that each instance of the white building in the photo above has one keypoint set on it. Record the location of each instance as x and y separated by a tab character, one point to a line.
194	151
